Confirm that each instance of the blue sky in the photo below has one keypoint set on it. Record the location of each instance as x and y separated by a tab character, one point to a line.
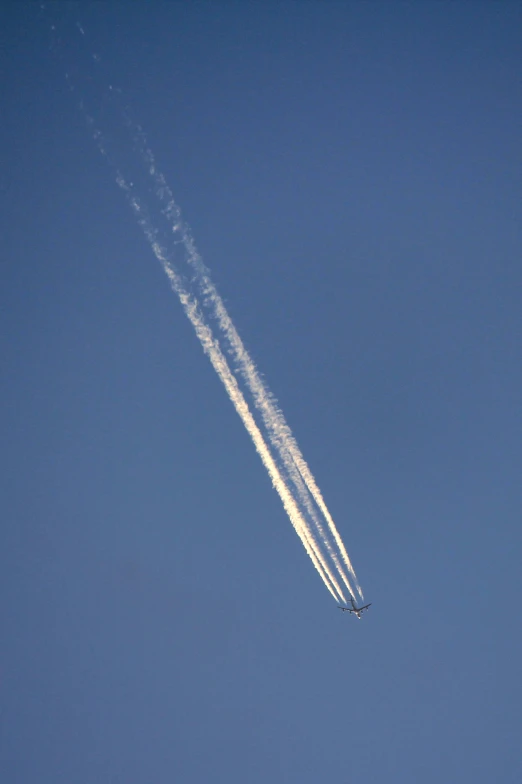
351	175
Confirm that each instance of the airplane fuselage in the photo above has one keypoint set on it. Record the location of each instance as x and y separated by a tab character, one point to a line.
354	610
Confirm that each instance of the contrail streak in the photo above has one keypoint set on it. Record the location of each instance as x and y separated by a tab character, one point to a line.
213	350
279	433
220	364
302	503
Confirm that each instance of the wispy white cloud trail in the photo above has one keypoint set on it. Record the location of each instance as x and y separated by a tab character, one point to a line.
297	504
213	350
220	364
279	433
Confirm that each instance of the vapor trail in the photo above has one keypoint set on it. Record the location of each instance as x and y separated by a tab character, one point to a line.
279	433
219	362
213	350
299	503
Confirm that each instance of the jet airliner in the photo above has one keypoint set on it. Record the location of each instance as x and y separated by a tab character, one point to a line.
354	609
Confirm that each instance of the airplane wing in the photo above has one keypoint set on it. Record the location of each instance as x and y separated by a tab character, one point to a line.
365	607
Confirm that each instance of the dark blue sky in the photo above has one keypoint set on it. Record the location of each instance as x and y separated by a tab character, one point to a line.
351	174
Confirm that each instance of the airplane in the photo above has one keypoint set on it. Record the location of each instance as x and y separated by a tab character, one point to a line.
354	609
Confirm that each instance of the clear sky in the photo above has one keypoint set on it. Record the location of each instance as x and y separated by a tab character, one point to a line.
351	175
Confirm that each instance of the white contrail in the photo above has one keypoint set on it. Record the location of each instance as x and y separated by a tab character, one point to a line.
280	435
213	350
219	362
